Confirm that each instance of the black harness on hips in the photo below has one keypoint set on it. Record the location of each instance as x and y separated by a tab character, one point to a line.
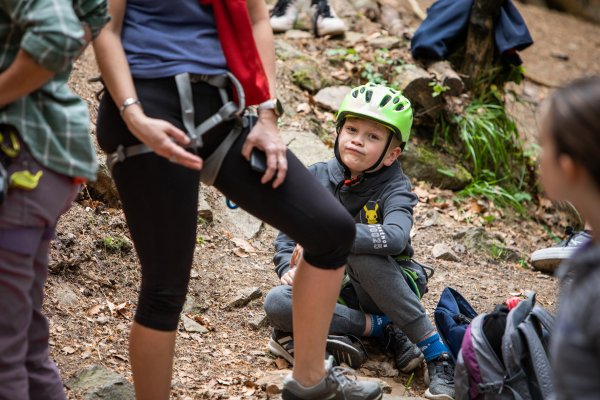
229	111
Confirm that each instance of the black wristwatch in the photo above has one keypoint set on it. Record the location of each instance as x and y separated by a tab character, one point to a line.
272	104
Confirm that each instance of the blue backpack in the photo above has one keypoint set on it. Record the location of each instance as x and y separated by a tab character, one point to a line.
452	316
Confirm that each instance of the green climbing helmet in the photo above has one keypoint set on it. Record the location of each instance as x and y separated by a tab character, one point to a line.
381	104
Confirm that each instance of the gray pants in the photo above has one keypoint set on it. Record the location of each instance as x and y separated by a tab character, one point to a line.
27	222
381	289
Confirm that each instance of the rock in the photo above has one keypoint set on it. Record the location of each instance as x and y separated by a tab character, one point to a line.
192	326
258	321
331	97
204	210
442	251
307	75
104	187
65	296
243	297
420	163
97	382
286	51
306	146
295	34
477	239
384	42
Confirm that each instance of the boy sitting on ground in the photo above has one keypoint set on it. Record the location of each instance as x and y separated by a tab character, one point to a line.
373	126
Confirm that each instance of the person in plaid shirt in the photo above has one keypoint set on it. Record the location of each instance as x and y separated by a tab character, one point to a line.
46	151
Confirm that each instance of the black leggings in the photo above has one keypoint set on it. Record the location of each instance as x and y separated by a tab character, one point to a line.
160	201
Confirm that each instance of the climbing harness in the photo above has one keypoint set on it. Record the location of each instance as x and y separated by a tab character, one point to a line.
229	111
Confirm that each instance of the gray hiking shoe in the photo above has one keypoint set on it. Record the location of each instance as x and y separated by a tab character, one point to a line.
407	355
346	351
440	377
548	259
339	384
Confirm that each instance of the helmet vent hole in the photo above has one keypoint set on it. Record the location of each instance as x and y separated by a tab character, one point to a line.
355	94
386	99
368	96
362	90
396	100
400	107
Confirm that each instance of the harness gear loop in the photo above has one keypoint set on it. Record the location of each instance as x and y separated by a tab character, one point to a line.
228	111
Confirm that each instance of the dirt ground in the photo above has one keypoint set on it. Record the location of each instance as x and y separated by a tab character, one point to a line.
94	276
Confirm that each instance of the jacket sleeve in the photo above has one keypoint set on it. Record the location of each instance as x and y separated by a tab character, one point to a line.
53	35
392	236
284	247
93	13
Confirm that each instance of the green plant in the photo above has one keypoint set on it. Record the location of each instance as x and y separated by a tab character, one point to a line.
497	194
114	244
437	88
408	383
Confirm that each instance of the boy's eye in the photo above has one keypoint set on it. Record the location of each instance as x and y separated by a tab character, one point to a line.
374	136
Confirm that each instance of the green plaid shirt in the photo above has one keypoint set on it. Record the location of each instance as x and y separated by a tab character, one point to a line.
52	121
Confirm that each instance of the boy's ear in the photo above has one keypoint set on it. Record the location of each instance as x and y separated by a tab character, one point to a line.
572	170
392	156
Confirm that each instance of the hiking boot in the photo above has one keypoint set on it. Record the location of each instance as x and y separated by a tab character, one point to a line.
344	350
407	355
339	384
325	20
548	259
283	15
440	378
282	344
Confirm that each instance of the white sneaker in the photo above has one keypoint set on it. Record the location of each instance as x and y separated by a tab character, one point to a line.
548	259
283	15
325	20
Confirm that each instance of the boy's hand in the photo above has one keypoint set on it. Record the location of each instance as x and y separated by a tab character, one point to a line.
288	277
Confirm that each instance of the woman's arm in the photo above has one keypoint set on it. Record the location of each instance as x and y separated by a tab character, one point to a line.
161	136
265	135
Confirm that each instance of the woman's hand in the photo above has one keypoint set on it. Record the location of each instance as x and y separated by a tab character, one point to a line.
162	137
265	136
288	277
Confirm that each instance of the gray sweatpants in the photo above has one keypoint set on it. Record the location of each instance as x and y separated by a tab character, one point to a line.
27	222
381	289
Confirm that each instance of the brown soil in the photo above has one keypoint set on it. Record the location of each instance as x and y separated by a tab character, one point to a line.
94	276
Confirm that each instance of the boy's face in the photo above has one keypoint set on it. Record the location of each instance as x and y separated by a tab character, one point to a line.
361	142
551	173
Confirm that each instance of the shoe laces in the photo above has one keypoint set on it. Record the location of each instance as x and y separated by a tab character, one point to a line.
444	369
395	337
344	376
281	8
322	9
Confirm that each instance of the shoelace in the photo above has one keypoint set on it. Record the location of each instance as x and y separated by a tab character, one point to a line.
444	369
344	376
395	335
281	8
323	9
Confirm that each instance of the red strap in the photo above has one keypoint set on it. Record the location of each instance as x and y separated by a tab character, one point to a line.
237	40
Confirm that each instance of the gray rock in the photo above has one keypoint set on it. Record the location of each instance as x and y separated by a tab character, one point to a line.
331	97
104	186
384	42
243	297
442	251
192	326
306	146
258	321
307	75
286	51
65	295
97	382
204	210
295	34
477	239
422	164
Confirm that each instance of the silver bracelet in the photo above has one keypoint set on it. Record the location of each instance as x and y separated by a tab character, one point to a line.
128	102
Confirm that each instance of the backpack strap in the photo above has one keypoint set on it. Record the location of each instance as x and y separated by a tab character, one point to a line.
499	386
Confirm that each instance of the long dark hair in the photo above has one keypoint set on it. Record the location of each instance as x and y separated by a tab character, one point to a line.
574	123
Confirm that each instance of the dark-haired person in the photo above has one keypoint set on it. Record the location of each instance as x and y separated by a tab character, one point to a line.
166	71
46	150
570	170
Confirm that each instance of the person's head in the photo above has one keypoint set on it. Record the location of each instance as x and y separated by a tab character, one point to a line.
373	126
570	141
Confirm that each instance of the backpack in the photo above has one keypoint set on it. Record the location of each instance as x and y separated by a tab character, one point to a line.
452	315
416	275
504	354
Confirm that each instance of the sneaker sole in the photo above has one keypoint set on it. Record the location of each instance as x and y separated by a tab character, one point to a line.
276	349
413	364
344	353
547	260
431	396
288	395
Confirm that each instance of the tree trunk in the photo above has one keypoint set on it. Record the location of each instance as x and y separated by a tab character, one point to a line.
480	49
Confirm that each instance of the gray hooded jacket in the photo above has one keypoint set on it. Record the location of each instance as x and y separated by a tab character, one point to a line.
382	206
